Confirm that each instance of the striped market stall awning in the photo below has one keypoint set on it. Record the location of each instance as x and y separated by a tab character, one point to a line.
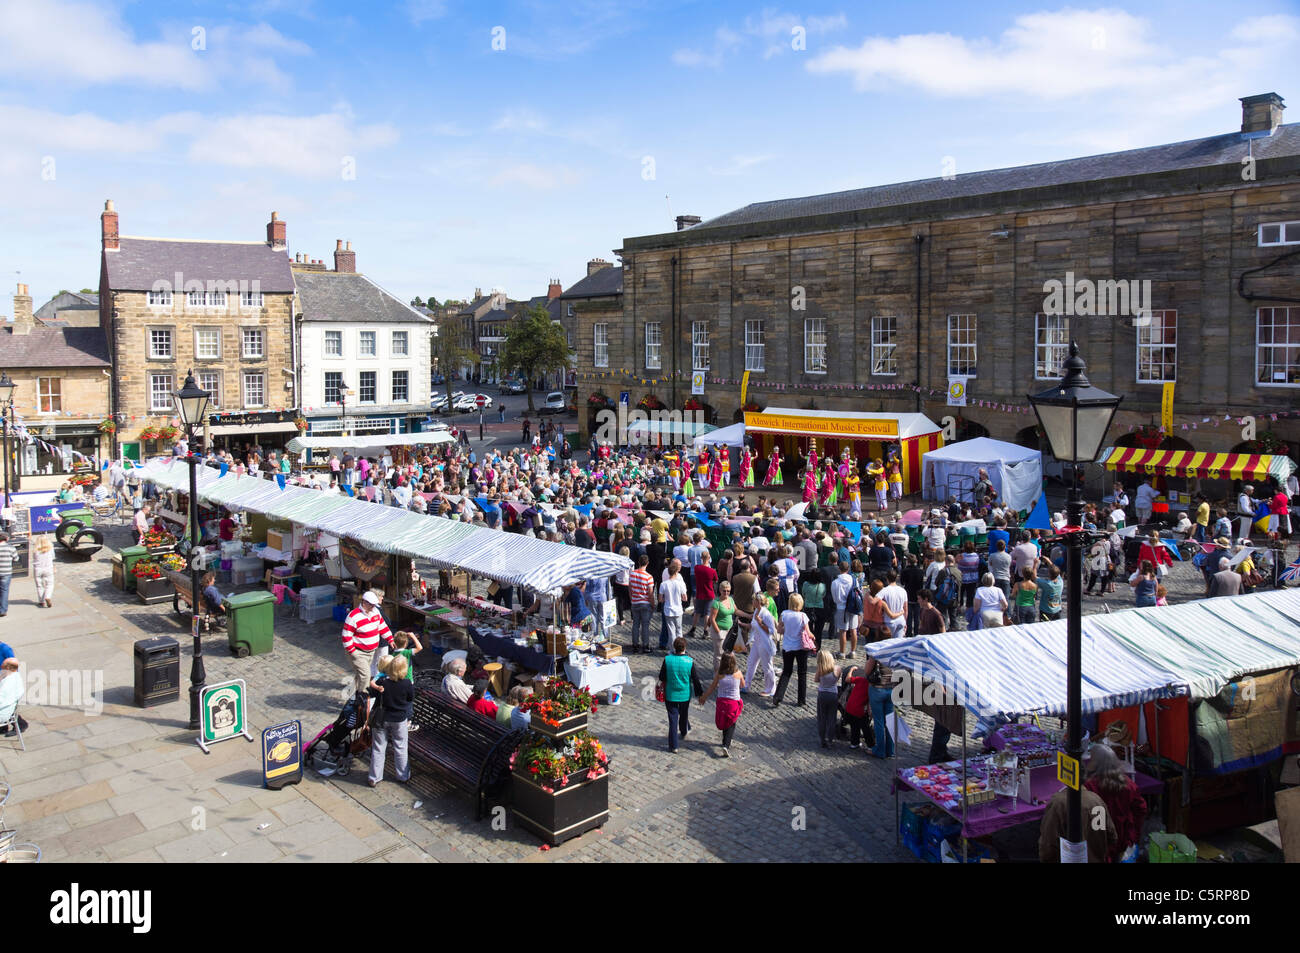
1198	463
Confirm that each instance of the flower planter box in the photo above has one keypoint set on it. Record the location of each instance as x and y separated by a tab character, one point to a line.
151	591
566	727
160	549
566	811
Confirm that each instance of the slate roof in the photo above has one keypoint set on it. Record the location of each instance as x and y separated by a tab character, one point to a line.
474	305
67	301
350	297
607	281
141	262
1227	149
54	347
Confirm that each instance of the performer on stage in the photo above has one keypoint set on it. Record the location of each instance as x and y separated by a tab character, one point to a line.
854	484
827	495
895	480
774	474
810	480
876	473
746	468
674	470
724	454
688	487
715	471
846	464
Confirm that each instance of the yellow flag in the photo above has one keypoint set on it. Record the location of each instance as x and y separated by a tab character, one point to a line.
744	386
1167	409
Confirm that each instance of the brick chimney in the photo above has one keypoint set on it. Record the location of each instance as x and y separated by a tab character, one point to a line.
595	265
554	290
345	259
686	221
23	320
276	235
1262	113
108	227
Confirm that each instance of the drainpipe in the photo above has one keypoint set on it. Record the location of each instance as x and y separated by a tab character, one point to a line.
672	304
920	240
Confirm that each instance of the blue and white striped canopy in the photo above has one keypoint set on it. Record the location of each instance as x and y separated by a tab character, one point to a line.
508	558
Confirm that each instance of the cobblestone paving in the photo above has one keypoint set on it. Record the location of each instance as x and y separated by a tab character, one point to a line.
125	784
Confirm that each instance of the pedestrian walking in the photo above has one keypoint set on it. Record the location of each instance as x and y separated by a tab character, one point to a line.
762	641
678	681
828	696
728	683
721	621
796	637
395	696
43	569
641	590
8	554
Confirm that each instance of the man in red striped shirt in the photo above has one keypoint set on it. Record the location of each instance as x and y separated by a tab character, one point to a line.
641	588
363	630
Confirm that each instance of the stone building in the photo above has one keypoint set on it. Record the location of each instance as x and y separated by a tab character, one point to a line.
220	308
73	309
592	312
354	335
874	299
61	398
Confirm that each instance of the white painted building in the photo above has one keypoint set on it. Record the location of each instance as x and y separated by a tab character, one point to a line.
362	352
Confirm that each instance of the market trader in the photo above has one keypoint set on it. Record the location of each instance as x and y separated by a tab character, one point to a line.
363	630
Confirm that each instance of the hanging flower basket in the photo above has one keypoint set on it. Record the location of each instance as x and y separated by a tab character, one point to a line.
750	407
300	423
168	433
1267	442
600	400
107	426
692	404
650	402
149	433
1148	436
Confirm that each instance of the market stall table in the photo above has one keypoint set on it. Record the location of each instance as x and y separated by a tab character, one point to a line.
598	675
529	656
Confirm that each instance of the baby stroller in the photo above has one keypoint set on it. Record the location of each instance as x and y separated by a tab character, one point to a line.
339	738
842	725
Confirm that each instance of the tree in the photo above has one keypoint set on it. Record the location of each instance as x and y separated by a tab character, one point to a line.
417	302
433	303
534	344
450	348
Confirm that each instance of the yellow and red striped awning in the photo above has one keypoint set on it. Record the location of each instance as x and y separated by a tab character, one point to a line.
1197	463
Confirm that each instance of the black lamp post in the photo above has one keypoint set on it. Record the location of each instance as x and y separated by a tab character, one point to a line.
192	403
1075	417
6	402
343	408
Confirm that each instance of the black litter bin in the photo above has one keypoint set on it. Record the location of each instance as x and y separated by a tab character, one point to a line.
157	671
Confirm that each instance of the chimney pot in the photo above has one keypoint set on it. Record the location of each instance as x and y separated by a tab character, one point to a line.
338	244
1262	113
108	228
686	221
276	232
348	246
345	260
23	319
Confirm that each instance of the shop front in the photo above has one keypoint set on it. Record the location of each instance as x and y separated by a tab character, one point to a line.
867	436
57	450
270	430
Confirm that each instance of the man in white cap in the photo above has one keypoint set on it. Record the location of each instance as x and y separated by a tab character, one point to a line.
363	630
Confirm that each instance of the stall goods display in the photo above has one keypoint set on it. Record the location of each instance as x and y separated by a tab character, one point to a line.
942	783
1031	745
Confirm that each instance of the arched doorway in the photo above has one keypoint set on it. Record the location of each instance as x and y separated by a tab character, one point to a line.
1175	443
968	429
1030	438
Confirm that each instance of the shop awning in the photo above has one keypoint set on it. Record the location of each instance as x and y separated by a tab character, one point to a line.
508	558
224	430
1198	463
361	442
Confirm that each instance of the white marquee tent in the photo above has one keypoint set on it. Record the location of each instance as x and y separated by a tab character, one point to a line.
1015	472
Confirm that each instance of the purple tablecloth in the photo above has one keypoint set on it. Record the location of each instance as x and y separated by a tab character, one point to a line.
1002	812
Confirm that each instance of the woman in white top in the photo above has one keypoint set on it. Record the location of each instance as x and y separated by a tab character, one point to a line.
794	624
762	640
43	568
990	603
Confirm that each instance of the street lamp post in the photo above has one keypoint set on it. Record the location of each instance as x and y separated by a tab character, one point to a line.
1075	416
192	403
343	408
6	402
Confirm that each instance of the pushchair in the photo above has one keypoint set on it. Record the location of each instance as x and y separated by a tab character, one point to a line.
842	724
338	739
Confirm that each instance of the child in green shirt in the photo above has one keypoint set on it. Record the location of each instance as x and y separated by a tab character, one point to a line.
402	642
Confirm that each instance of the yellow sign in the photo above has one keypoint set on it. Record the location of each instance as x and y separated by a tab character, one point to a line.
744	387
1167	409
1067	770
859	428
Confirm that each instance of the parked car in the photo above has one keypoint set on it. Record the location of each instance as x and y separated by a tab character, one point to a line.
555	403
439	403
467	403
439	379
509	386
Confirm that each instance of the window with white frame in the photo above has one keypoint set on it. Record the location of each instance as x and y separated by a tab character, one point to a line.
254	389
333	343
253	344
160	343
1277	347
333	387
1279	233
814	345
600	345
207	344
210	381
367	387
160	299
1051	345
961	345
367	344
161	397
1157	348
700	345
250	299
755	344
215	299
400	340
49	393
401	387
884	341
654	341
194	299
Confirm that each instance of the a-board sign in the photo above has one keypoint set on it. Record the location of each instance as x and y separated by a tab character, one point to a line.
282	755
223	713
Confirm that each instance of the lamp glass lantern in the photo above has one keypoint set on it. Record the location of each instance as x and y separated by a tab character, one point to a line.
1073	414
7	387
192	402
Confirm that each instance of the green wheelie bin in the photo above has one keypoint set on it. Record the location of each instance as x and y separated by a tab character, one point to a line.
250	626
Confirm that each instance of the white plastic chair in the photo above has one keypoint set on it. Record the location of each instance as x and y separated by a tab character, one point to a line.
12	724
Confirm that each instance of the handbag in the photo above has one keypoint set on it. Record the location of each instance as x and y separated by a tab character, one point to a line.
808	642
659	691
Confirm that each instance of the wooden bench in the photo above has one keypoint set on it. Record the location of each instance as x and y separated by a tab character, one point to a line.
470	750
79	538
185	594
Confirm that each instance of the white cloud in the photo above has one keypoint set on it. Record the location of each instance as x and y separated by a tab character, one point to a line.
519	120
314	146
774	29
725	42
422	11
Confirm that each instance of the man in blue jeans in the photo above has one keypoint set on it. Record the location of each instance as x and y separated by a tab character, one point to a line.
881	696
8	556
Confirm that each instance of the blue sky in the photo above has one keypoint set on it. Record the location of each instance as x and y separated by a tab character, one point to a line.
482	166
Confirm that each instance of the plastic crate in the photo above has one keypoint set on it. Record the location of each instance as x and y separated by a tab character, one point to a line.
318	595
245	577
913	843
340	613
939	829
315	613
975	852
913	817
